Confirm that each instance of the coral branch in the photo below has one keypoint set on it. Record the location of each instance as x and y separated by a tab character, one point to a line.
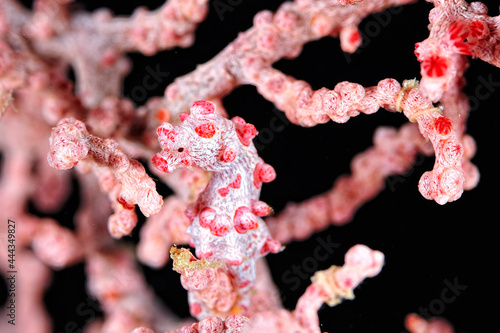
457	30
330	286
306	107
416	324
161	231
337	283
124	179
54	245
445	182
394	152
125	298
274	36
98	40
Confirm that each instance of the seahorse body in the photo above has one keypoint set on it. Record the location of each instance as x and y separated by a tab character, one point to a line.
226	219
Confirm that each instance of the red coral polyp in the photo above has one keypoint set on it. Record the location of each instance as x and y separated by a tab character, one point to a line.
244	220
478	29
203	108
458	31
206	130
463	47
443	126
435	66
161	163
460	35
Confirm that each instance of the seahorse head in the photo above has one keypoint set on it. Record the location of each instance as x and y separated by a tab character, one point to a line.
203	139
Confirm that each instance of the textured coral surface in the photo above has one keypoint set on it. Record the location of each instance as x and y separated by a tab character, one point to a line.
93	247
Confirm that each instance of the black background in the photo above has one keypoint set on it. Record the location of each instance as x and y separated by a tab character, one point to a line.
425	244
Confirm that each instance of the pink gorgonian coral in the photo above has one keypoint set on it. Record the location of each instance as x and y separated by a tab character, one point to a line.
189	165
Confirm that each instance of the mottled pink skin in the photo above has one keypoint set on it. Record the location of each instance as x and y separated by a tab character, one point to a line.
213	293
224	226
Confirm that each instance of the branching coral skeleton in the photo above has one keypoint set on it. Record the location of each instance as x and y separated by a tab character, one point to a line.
209	161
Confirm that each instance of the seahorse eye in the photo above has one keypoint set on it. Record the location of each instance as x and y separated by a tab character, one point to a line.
180	150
